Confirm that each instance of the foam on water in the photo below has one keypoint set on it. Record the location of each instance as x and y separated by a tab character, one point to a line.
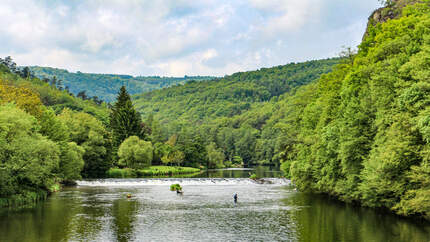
182	181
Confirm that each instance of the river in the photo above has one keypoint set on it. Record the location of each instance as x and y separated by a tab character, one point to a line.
99	210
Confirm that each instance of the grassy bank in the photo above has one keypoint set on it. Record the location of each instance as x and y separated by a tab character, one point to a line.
27	198
150	171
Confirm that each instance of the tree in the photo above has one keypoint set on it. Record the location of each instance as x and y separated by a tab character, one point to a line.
28	159
26	73
82	95
174	156
89	133
191	144
215	157
135	153
245	143
160	150
23	97
386	2
52	127
9	63
71	161
124	120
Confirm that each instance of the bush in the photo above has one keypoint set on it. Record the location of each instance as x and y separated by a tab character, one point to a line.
253	177
135	153
175	187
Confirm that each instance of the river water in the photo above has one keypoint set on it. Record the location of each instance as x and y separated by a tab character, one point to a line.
99	210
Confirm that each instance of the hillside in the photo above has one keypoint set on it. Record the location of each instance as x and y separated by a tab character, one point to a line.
106	86
47	136
359	133
228	96
362	135
227	119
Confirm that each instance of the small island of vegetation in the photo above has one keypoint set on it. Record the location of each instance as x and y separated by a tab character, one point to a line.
152	171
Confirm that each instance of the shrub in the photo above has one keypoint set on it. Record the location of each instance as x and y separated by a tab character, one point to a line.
175	187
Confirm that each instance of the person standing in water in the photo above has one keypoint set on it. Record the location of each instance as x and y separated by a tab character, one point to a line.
235	198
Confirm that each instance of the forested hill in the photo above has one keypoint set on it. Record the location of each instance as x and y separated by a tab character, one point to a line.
233	120
362	134
106	86
231	95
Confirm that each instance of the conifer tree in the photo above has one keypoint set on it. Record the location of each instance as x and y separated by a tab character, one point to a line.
124	120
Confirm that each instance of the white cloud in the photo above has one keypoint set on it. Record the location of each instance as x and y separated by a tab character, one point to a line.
176	37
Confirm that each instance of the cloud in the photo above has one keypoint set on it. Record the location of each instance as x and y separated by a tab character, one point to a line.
177	37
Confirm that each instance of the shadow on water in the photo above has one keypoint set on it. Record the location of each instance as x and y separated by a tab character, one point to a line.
321	218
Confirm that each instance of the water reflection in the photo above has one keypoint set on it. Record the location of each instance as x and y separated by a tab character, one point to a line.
260	171
124	216
324	219
206	212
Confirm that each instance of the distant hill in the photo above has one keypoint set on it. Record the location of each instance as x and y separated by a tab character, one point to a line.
106	86
230	95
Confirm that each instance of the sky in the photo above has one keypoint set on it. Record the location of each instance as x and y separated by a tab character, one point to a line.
178	37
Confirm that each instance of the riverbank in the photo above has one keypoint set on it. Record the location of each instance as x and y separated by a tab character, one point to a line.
26	198
150	171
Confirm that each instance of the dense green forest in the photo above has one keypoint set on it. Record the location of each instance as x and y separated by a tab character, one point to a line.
359	133
231	95
363	130
228	114
106	86
47	136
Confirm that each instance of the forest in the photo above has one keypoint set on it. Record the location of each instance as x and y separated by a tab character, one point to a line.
231	115
359	133
355	127
363	130
105	86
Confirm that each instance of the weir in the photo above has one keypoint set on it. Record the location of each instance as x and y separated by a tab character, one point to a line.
183	181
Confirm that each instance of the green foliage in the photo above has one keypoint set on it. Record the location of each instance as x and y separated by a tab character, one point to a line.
230	112
23	97
121	173
253	177
52	127
175	187
30	93
105	86
37	148
166	171
89	133
71	161
28	159
362	135
215	156
124	120
228	96
135	153
152	171
24	198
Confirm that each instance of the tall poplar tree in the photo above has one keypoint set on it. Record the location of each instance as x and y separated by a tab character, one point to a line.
124	120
